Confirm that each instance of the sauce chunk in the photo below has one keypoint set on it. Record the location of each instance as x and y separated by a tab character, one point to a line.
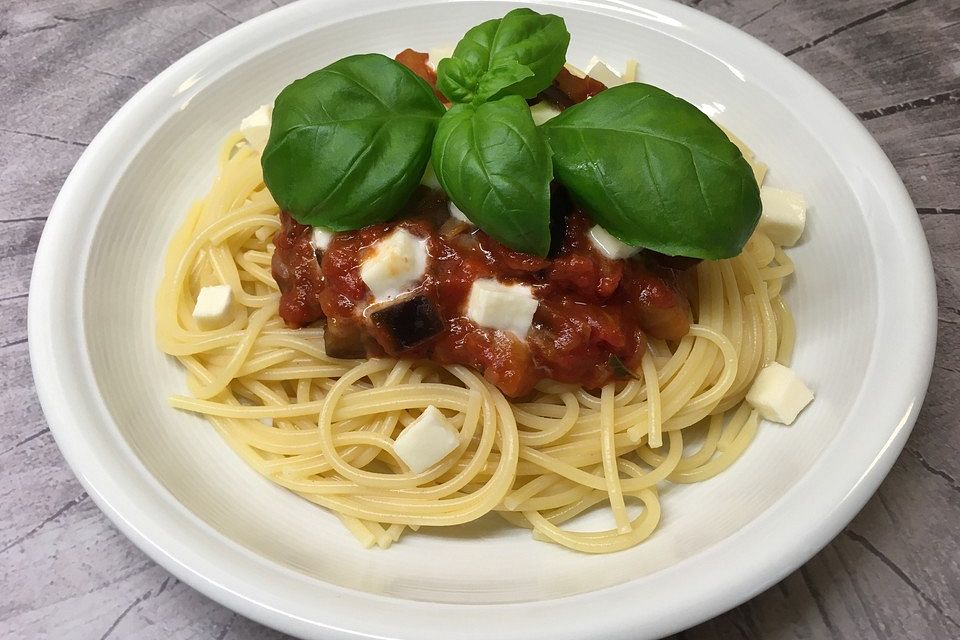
589	307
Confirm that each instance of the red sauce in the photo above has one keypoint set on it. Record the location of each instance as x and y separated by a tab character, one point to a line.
416	61
590	307
297	272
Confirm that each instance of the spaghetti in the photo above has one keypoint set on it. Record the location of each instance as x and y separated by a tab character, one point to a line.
324	427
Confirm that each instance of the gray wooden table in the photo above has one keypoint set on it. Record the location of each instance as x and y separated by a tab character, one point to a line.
65	572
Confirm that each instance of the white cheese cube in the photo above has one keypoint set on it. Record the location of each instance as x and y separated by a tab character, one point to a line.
426	441
784	215
779	394
320	238
543	111
396	263
256	127
609	246
509	307
574	70
456	213
630	70
601	71
429	178
436	54
213	306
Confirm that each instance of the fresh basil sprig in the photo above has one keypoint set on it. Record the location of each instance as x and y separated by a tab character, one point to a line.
350	142
518	54
488	155
495	166
656	172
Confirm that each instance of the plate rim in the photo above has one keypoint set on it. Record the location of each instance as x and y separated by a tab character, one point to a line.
181	552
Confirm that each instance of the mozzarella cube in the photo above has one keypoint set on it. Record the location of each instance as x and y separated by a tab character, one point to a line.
609	246
436	54
256	127
630	70
543	111
784	215
779	394
396	263
426	441
601	71
213	306
429	178
509	307
320	238
574	70
456	213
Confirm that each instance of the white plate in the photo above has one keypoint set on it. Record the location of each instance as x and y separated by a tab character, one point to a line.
864	300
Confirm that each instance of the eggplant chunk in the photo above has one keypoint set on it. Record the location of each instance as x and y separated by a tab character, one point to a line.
343	339
407	322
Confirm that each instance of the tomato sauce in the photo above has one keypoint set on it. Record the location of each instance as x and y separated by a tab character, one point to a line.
590	307
593	313
297	271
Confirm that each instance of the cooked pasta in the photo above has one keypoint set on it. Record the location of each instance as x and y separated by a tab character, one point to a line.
325	427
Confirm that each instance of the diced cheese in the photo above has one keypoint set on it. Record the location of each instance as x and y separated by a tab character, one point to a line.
601	71
784	215
609	246
630	70
256	127
778	394
509	307
429	178
320	238
397	262
426	441
436	54
574	70
456	213
543	111
213	306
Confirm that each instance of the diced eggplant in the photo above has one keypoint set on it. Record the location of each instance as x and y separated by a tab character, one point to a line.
560	206
675	263
556	97
406	322
663	309
620	370
577	89
427	203
343	338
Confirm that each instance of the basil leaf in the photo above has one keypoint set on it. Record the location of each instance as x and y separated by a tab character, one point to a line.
350	142
656	172
463	81
499	78
495	166
458	79
538	42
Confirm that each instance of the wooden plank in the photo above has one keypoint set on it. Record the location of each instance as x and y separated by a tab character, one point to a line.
935	441
909	101
924	146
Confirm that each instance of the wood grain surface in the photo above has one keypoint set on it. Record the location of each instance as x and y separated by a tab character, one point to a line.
65	572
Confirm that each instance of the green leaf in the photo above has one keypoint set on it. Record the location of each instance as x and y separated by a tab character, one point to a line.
656	172
499	78
458	79
495	166
350	142
538	42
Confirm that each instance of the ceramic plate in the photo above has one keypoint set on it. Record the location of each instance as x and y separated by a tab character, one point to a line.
863	296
